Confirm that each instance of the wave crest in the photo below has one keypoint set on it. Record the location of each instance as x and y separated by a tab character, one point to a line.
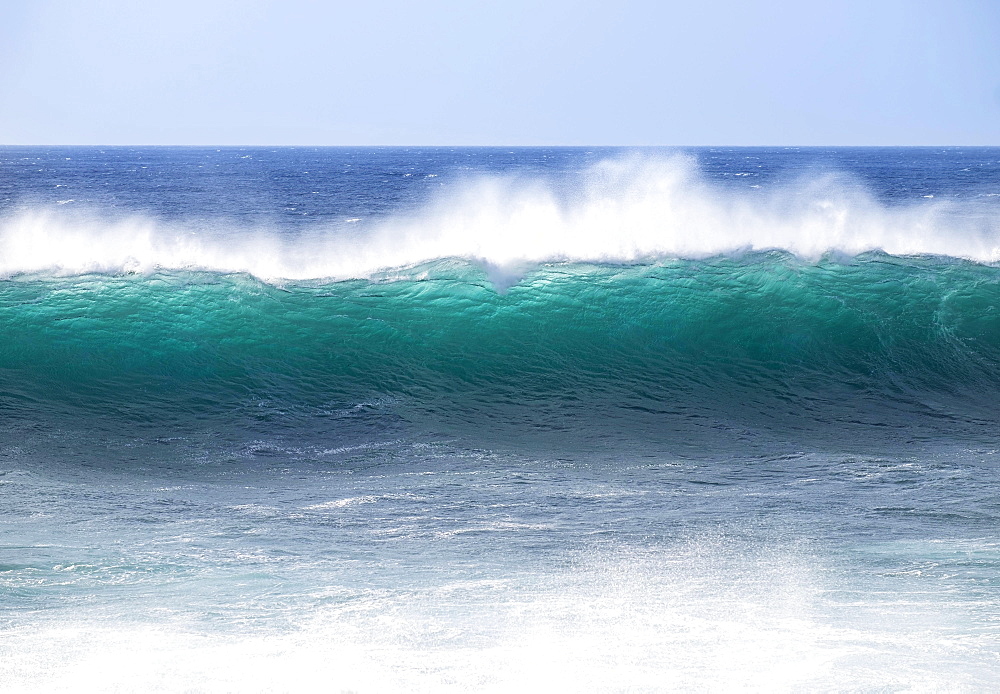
625	210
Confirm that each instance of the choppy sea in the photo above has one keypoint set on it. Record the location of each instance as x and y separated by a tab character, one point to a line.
487	419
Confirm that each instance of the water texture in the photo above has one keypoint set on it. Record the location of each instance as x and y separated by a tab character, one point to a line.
490	419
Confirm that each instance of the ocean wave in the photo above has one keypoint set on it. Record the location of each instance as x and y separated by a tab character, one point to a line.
740	344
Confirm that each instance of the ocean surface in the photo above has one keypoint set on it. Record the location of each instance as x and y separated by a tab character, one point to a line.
486	419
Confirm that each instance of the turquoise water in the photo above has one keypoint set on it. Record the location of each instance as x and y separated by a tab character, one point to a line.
886	348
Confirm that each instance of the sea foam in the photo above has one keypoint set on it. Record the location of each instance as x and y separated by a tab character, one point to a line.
702	617
626	210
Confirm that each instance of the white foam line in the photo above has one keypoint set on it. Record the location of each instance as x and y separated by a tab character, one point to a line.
624	210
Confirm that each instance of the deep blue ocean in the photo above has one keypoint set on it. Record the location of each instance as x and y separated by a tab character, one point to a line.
488	419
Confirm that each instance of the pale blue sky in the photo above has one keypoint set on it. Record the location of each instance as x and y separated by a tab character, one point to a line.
629	72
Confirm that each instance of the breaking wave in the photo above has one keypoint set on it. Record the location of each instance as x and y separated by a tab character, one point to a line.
636	209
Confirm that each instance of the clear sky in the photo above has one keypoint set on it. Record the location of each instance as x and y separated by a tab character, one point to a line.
625	72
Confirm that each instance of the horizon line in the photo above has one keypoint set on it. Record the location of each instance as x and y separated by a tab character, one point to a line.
505	146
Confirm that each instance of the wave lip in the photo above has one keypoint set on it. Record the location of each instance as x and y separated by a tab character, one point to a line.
637	209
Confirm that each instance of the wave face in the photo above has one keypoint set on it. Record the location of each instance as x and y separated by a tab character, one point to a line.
740	345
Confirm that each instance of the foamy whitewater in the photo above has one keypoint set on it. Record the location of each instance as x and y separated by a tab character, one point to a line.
483	419
637	207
